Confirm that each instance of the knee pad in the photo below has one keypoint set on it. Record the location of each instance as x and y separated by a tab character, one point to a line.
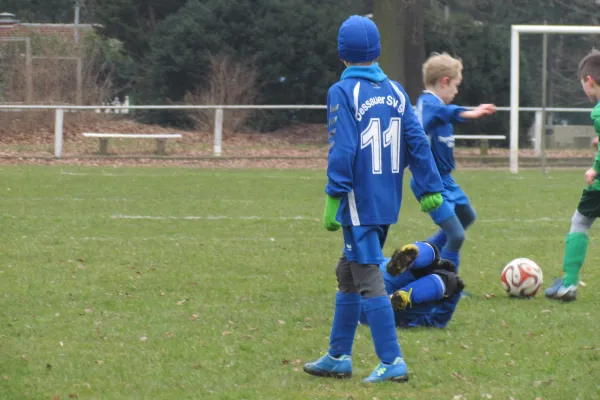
466	215
455	233
452	282
455	239
580	223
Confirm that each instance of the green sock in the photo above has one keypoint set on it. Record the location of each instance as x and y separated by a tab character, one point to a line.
575	248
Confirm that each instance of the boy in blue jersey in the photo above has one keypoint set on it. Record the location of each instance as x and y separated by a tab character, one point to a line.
423	288
442	74
373	136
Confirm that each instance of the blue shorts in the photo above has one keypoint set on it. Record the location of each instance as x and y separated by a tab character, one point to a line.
453	196
364	244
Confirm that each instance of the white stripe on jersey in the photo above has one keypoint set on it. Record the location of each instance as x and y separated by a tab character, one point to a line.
401	95
355	92
353	210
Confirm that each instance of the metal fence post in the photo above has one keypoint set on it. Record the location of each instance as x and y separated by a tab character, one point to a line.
58	132
538	128
483	147
218	132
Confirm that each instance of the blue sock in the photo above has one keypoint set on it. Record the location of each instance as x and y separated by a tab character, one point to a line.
428	288
345	321
439	239
425	257
383	328
453	256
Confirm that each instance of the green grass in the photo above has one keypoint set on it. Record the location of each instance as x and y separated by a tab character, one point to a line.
108	308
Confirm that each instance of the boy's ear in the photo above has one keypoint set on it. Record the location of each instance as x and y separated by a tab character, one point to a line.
445	80
591	80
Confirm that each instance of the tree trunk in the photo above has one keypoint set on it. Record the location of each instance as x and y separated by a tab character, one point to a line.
390	17
400	24
414	49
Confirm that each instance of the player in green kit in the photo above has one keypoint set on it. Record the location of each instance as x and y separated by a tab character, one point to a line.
588	209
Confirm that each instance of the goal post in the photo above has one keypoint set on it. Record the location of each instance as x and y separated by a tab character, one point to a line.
515	35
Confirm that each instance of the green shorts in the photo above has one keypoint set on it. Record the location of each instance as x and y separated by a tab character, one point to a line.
589	204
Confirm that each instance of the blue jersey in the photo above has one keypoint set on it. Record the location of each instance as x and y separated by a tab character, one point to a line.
374	135
437	119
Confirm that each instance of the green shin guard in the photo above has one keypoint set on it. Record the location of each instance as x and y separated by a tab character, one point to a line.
575	249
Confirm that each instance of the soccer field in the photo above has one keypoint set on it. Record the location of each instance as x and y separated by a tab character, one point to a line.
181	283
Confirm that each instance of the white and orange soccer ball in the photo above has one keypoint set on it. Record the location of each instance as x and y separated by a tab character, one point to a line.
522	277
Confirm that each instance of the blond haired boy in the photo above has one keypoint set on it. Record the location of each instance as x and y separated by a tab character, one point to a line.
442	75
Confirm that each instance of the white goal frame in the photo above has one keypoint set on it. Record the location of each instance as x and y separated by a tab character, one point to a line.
515	35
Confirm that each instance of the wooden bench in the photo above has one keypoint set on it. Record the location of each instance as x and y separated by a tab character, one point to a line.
161	138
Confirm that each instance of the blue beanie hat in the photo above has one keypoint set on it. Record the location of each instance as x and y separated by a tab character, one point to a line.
358	40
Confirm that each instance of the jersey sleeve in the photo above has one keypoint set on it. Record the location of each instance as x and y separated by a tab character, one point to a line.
596	120
597	162
448	113
343	140
420	160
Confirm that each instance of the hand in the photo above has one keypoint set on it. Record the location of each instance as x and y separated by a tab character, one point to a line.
430	202
331	208
595	143
485	109
590	175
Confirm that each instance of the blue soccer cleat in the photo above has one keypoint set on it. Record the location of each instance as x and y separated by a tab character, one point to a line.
559	292
331	367
395	372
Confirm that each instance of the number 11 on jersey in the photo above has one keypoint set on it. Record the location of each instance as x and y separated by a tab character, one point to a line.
371	136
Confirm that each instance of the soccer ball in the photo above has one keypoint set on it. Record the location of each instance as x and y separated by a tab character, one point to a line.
522	277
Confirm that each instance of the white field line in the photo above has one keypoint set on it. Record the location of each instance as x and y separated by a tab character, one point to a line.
302	178
177	239
216	217
306	218
532	220
87	174
46	198
7	198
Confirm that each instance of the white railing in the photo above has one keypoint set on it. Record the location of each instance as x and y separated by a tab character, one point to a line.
219	117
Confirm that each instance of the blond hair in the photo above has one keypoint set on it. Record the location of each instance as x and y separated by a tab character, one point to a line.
439	66
590	66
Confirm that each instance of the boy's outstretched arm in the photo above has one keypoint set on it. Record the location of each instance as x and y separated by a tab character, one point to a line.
480	111
451	113
343	139
421	162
